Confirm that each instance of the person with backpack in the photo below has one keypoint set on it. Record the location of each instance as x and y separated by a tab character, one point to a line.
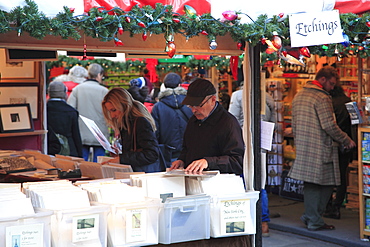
62	120
170	115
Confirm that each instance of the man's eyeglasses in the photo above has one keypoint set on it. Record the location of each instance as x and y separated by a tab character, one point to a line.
199	106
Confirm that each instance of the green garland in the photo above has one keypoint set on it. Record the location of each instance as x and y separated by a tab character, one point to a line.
114	67
106	24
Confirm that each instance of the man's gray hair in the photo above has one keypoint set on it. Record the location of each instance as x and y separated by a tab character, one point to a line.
94	70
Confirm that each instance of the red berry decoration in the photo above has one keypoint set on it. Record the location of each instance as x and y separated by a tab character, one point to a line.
142	24
204	32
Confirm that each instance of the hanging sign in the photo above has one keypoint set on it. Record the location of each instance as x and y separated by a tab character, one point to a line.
317	28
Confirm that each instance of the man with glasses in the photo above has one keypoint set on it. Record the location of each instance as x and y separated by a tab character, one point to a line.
213	138
316	135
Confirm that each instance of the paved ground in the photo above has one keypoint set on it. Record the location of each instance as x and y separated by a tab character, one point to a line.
286	239
347	231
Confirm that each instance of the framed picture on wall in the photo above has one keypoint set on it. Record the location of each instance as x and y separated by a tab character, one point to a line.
23	71
15	118
20	95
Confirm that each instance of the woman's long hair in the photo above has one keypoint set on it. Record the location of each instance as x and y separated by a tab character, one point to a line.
130	109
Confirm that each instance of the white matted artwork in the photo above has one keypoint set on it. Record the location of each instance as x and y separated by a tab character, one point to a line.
20	95
15	118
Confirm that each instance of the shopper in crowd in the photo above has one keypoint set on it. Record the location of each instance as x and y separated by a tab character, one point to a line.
77	75
342	116
138	89
170	115
315	136
236	105
136	126
86	98
62	122
213	138
236	108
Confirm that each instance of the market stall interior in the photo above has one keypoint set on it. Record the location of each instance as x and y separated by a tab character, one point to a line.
157	31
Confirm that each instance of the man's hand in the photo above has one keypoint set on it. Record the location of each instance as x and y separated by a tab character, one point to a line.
197	166
351	145
177	164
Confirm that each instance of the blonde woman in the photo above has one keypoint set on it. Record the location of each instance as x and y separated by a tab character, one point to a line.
133	122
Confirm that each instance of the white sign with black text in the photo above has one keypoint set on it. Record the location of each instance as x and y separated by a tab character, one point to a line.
317	28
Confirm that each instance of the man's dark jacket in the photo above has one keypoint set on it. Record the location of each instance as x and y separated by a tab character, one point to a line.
63	119
218	139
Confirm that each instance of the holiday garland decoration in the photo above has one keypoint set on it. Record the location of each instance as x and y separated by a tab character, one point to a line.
114	67
108	24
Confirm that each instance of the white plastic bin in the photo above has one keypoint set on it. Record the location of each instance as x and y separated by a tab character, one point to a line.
134	224
233	214
184	219
32	231
80	227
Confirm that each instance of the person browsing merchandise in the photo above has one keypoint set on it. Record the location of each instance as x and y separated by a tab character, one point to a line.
213	138
316	137
136	127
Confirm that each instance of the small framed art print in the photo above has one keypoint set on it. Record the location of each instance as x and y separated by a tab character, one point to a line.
15	118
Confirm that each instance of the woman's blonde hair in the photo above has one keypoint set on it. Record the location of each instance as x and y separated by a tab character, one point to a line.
122	101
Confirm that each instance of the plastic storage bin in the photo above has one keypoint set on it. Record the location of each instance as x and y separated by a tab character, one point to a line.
184	219
134	224
80	227
233	214
33	230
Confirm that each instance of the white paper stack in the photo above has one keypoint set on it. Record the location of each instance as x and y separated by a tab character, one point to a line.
159	185
13	203
113	192
110	169
221	184
56	195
